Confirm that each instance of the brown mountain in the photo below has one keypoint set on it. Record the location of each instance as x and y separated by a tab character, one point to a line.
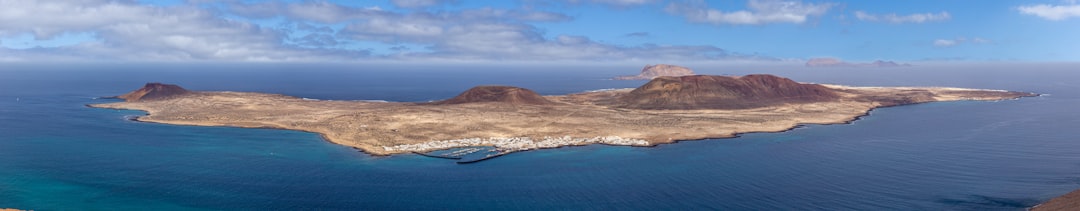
502	94
722	92
653	71
154	91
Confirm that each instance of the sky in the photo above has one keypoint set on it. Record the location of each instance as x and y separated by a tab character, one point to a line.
537	31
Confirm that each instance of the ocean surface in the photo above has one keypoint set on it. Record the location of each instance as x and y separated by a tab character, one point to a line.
57	154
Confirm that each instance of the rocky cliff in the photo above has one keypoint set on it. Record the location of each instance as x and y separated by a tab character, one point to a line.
653	71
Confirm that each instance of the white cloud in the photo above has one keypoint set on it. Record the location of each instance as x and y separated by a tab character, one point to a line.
572	40
46	19
515	15
320	11
945	43
759	12
465	36
126	30
912	18
620	3
420	3
958	41
311	31
624	2
1052	12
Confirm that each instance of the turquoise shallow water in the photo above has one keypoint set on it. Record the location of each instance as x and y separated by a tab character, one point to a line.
56	154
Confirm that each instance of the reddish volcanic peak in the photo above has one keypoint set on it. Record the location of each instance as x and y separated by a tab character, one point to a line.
500	94
723	92
653	71
154	91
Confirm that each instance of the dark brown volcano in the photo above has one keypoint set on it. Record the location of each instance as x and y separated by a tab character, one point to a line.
154	91
502	94
722	92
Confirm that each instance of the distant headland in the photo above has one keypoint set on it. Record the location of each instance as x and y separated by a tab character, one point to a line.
652	71
664	110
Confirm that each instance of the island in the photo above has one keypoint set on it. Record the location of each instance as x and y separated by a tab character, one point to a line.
508	119
652	71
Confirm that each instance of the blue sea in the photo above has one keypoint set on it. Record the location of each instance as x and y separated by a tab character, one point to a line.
57	154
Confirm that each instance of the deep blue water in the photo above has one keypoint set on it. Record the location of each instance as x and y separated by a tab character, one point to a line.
56	154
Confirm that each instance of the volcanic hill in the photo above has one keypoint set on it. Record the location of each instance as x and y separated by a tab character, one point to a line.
722	92
653	71
154	91
499	94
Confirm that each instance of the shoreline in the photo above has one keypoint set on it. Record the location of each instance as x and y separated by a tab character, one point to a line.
650	144
321	135
423	153
527	121
1067	201
436	156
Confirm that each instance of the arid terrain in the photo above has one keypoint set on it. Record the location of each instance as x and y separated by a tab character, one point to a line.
665	110
1069	201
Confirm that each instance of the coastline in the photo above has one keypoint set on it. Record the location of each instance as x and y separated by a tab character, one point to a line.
423	152
1069	201
530	144
322	136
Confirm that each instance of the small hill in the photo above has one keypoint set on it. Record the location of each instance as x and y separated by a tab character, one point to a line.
653	71
154	91
722	92
501	94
